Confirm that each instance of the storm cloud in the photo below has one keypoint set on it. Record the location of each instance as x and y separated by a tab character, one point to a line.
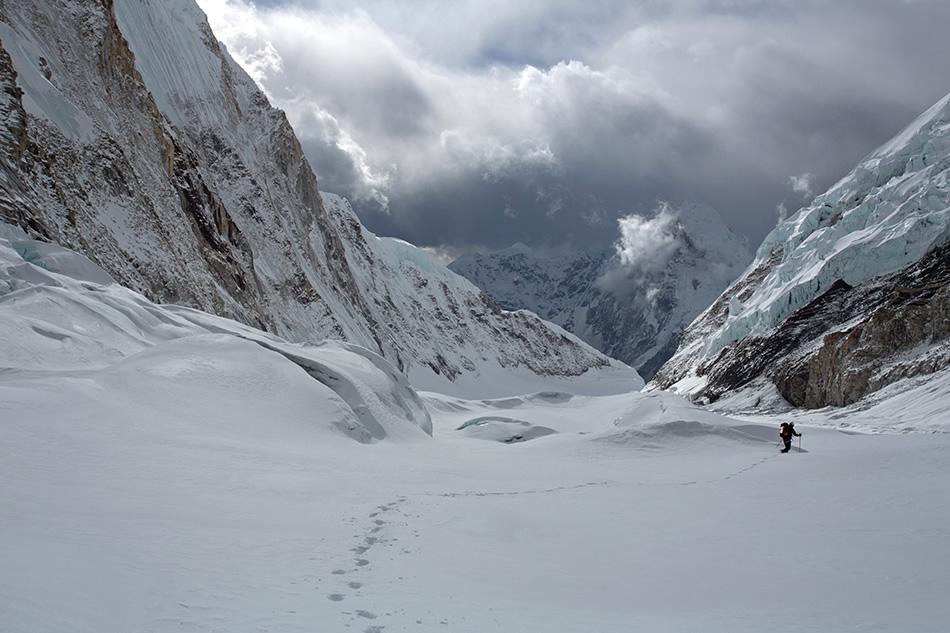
472	125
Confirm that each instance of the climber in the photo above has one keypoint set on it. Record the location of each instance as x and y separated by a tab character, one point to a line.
788	430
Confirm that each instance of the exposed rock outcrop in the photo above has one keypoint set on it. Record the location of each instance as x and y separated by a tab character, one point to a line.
848	342
901	331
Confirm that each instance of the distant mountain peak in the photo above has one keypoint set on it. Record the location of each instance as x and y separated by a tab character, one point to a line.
632	301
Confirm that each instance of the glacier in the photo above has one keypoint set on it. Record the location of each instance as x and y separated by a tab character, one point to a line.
164	468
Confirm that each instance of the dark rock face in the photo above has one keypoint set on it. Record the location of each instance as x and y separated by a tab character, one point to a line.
14	205
848	342
13	135
892	319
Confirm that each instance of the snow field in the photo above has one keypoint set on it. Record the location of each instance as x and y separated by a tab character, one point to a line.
121	517
163	469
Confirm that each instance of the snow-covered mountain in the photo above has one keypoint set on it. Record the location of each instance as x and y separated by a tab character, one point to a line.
130	135
632	302
845	297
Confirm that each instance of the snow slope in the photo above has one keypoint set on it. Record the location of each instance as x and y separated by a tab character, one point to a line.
164	469
438	314
61	319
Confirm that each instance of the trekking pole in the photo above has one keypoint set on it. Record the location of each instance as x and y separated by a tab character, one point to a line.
799	443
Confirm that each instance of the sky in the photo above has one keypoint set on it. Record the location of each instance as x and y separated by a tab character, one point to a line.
474	124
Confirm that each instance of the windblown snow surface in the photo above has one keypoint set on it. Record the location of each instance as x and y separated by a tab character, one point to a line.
165	470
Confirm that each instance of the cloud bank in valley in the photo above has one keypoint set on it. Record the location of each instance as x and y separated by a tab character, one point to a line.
473	125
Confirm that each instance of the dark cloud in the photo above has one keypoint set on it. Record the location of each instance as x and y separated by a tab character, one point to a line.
479	124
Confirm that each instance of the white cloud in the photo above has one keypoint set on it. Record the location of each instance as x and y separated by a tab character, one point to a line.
493	157
238	25
314	123
644	250
650	39
510	211
647	245
781	211
802	184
